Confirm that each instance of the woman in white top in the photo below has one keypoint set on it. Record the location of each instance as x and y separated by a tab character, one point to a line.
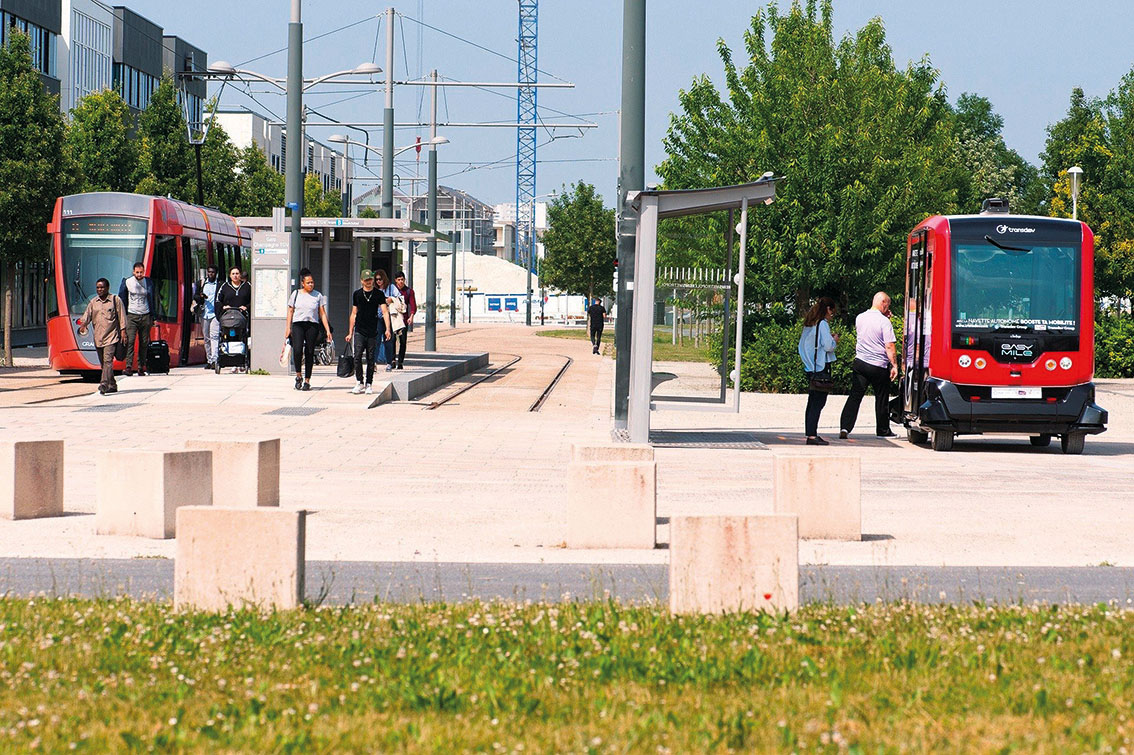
306	308
817	350
393	297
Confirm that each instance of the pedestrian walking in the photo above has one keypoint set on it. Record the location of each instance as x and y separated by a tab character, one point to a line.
396	305
106	316
817	350
137	293
875	366
234	296
410	301
596	319
206	304
306	309
368	316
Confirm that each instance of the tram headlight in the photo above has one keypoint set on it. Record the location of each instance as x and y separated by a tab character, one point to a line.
980	363
1049	364
964	360
1065	363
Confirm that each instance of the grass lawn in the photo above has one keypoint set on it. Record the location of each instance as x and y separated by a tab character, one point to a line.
583	677
664	350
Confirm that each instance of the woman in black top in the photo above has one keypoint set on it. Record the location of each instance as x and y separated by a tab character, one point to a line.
234	294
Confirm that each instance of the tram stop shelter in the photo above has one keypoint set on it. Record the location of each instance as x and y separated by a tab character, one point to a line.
653	206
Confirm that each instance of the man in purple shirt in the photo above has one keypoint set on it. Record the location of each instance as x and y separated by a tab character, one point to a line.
875	366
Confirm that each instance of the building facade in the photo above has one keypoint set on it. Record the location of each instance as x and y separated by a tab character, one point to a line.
246	127
179	58
43	22
86	51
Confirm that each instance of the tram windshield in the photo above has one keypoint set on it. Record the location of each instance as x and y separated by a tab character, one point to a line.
1029	287
99	247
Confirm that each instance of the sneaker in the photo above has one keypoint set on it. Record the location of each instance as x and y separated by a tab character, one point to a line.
389	367
399	367
208	365
357	389
128	373
888	434
112	389
102	390
298	382
306	387
843	434
369	388
817	441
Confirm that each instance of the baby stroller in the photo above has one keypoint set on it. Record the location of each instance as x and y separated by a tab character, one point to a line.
325	349
233	351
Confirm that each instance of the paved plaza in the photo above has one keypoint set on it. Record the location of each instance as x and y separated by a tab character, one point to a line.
482	480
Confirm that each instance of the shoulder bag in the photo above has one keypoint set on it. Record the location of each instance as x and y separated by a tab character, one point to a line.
820	380
120	346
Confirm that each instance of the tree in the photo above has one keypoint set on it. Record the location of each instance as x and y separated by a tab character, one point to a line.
579	249
992	168
318	203
219	159
99	140
167	164
34	170
866	151
260	187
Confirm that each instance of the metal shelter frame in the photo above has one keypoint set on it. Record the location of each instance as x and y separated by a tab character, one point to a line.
652	206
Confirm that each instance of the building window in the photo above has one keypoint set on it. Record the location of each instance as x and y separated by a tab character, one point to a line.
283	152
135	87
91	62
43	42
310	158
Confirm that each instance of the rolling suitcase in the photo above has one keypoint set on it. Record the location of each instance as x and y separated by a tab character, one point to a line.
157	357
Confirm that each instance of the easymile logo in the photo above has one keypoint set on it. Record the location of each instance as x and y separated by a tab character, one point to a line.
1012	229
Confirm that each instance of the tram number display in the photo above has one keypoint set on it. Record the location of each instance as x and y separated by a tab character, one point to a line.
1017	391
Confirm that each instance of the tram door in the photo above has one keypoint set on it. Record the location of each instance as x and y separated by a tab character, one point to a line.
917	324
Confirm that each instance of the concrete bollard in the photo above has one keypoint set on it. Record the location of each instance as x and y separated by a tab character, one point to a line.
722	564
31	479
612	504
246	473
138	491
239	557
825	492
612	452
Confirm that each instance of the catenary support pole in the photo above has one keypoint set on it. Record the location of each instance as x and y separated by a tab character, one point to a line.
293	155
431	245
453	285
631	177
387	210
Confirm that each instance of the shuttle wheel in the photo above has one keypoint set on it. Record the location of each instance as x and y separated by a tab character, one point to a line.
1072	443
1040	441
917	437
943	440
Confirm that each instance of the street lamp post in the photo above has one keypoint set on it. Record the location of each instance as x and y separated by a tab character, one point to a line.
530	262
1076	174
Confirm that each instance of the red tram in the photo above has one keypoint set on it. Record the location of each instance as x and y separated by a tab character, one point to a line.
102	235
999	330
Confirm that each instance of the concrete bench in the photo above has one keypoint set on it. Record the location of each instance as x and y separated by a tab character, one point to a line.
246	473
612	452
31	479
722	564
239	557
139	491
612	504
825	492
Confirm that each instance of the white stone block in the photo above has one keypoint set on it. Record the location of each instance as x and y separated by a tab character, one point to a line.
825	492
31	479
722	564
239	557
612	504
246	473
139	491
612	452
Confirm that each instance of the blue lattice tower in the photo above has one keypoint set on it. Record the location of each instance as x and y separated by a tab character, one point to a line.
526	132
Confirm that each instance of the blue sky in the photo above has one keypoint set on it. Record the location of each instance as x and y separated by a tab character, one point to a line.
1024	55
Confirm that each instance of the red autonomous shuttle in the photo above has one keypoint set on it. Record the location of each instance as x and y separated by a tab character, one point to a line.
102	235
999	330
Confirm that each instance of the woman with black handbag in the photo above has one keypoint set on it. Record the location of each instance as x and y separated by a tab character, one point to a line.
817	350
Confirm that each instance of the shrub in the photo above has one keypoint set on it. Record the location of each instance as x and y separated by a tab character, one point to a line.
1114	347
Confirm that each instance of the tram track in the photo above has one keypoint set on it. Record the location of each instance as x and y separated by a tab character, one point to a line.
507	391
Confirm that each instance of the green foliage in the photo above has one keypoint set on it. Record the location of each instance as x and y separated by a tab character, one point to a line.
579	245
1114	347
318	203
103	676
770	362
167	164
866	151
261	187
34	165
223	187
992	169
99	139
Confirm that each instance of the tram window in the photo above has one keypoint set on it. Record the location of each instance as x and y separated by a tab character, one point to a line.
164	276
246	261
199	259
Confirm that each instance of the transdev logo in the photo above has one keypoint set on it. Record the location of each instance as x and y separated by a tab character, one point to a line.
1014	229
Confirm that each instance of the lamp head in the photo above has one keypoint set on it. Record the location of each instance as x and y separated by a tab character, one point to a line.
222	67
439	140
366	69
338	139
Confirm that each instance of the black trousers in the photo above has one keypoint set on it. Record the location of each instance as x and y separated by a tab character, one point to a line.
596	336
369	345
866	375
400	344
816	400
303	338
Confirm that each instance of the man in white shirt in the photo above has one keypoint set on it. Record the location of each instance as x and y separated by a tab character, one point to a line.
875	366
137	293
